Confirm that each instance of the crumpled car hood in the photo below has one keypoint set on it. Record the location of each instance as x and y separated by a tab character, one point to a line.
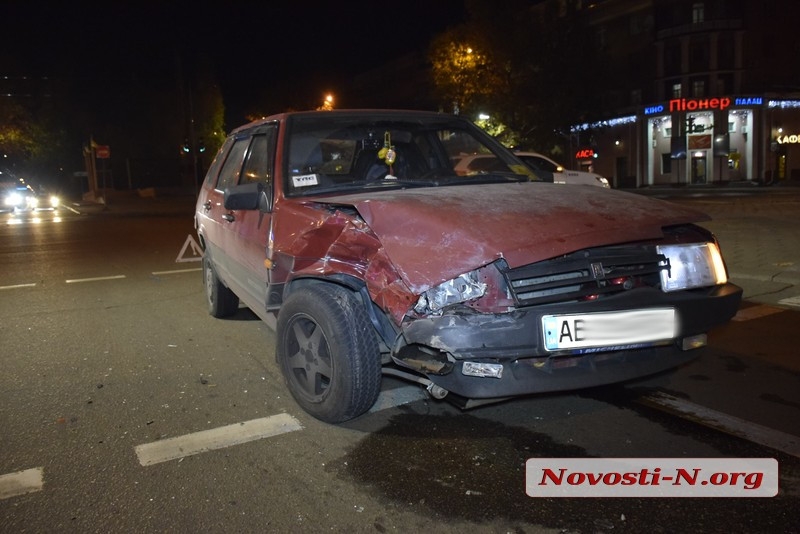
434	234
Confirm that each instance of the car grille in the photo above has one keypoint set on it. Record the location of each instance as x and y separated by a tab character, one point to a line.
586	275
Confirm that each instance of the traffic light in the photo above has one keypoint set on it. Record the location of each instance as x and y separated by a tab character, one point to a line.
201	146
186	148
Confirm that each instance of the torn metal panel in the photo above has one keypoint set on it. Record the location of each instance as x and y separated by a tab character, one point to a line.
324	241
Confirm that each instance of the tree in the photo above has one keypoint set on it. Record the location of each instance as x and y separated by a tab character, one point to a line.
568	80
530	68
31	143
17	133
465	74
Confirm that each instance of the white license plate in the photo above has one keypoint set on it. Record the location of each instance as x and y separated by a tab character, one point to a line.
608	329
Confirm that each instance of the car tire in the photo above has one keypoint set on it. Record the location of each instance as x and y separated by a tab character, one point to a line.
221	301
328	352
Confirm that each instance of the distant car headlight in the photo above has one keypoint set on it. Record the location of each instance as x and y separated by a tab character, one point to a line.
692	265
13	199
33	202
54	201
460	289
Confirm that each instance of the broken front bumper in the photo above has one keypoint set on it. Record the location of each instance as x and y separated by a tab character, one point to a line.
512	344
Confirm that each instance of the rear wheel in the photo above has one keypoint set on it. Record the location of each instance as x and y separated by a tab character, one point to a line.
328	353
221	301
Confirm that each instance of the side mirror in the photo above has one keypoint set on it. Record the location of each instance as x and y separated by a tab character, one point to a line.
249	196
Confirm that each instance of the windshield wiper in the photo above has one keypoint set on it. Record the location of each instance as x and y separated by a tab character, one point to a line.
384	182
490	178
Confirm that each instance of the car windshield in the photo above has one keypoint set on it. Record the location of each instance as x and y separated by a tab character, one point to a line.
330	153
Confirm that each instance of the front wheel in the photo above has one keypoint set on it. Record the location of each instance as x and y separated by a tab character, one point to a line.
221	301
328	353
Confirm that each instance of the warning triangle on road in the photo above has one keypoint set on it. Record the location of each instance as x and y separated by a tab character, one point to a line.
196	250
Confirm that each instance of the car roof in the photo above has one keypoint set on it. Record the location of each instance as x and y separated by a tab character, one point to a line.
532	153
355	113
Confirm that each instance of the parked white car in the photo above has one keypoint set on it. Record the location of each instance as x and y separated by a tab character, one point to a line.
543	167
542	163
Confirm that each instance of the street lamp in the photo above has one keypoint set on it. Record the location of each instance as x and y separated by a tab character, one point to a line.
327	104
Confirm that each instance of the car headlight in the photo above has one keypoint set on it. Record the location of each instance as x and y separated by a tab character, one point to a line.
54	201
692	265
460	289
14	199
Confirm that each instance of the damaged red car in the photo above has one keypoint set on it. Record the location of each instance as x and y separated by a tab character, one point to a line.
351	234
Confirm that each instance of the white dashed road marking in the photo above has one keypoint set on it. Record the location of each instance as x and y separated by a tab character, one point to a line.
754	312
215	438
96	279
729	424
102	278
237	433
17	286
176	271
791	301
21	482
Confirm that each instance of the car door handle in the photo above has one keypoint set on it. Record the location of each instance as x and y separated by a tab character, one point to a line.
207	205
228	217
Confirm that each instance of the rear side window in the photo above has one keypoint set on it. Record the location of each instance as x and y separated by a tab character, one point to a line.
229	175
213	170
539	164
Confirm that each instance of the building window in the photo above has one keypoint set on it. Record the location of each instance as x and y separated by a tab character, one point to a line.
666	163
601	37
672	60
698	88
699	56
636	25
725	84
726	51
636	97
698	13
676	90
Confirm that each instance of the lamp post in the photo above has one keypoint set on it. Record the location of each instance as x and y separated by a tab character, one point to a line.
327	103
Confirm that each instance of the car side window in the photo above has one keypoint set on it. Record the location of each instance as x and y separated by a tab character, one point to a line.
260	160
213	170
229	175
541	164
488	164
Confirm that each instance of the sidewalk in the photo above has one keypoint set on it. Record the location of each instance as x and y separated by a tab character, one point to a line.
724	189
136	202
759	235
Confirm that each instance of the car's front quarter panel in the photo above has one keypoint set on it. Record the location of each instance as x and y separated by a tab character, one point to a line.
318	240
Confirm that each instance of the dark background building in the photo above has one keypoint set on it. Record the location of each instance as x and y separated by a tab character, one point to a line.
689	92
696	92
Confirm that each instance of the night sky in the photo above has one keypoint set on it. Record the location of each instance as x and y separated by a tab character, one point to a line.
313	45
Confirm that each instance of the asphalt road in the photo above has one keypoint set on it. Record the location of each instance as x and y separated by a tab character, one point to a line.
124	407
